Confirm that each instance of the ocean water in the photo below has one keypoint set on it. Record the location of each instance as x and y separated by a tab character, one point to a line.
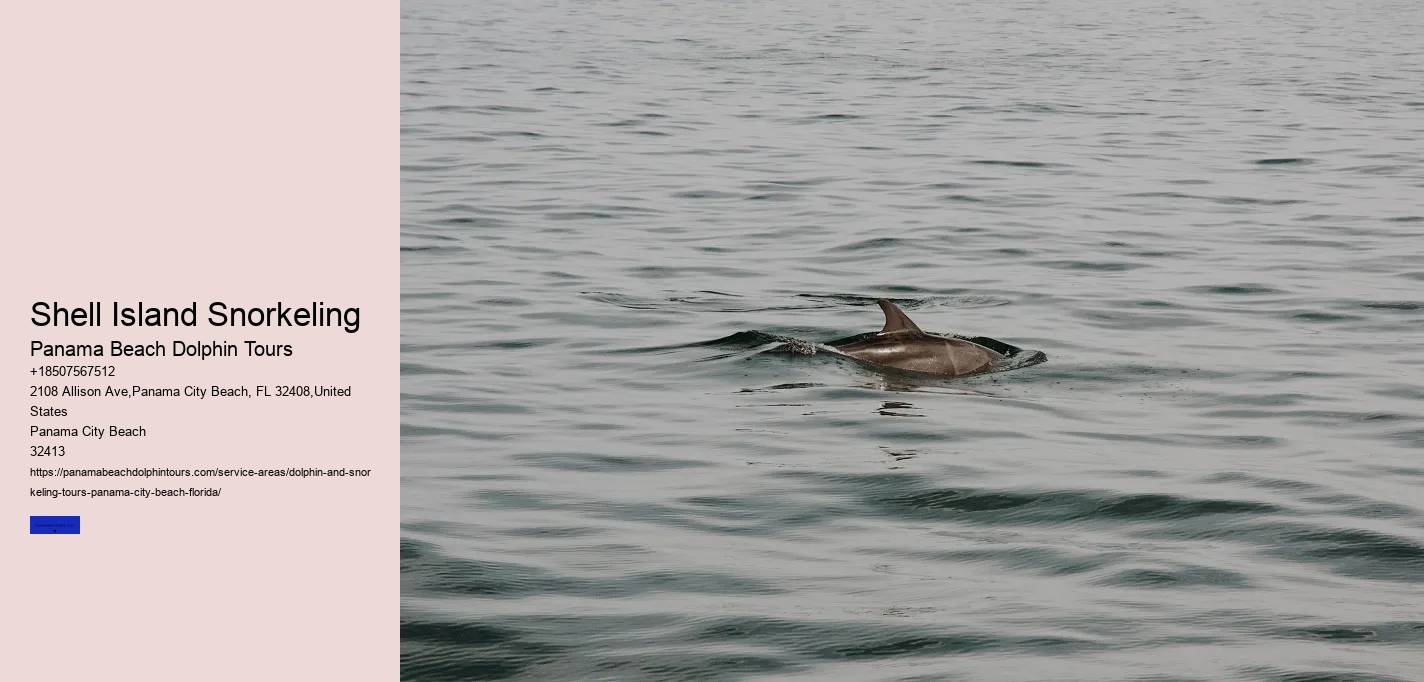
1208	215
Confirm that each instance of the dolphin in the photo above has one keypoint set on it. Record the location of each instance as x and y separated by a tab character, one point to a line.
902	345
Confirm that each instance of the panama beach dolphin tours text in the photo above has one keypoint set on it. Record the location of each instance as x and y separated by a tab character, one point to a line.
180	349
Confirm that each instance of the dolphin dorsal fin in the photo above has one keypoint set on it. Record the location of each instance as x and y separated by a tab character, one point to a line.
895	319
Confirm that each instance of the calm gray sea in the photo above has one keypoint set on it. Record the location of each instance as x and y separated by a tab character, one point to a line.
1209	216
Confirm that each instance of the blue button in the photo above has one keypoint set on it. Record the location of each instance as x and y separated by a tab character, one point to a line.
54	525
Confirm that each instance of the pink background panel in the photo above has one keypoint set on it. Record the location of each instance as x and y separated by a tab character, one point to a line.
172	152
